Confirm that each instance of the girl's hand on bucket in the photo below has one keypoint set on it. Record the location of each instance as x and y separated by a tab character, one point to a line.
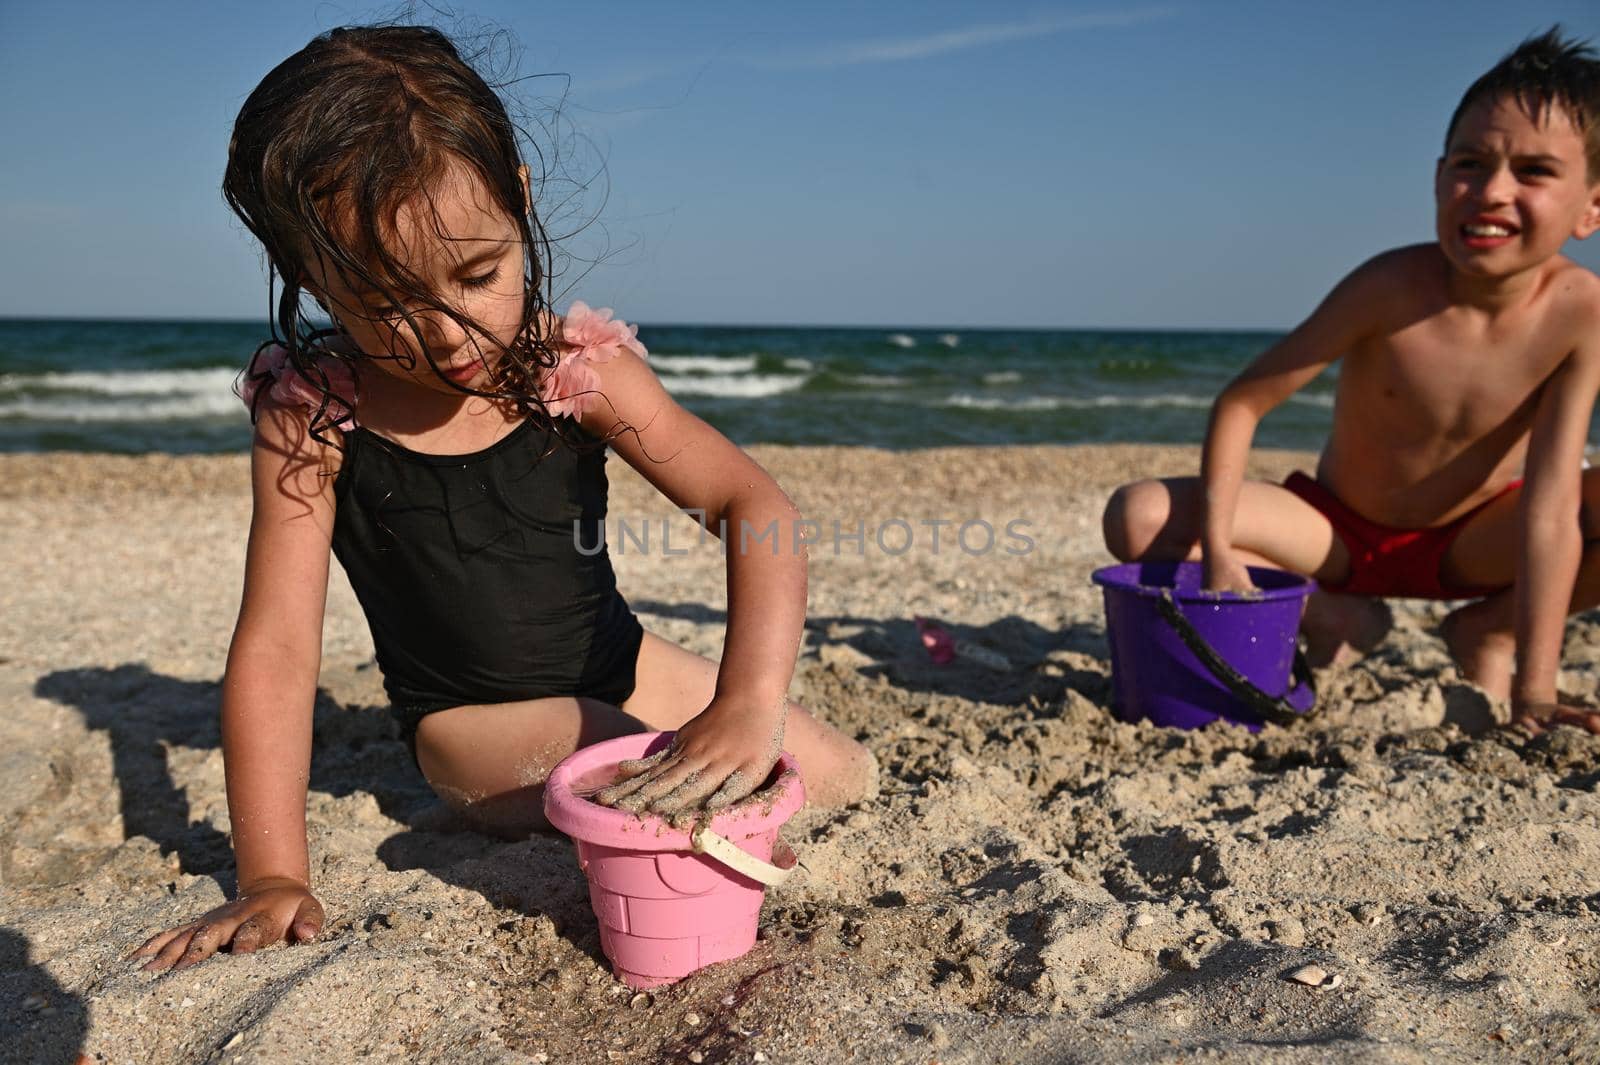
1534	718
1223	572
271	910
717	758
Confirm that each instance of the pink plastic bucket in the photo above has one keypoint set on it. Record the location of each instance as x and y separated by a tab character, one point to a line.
669	902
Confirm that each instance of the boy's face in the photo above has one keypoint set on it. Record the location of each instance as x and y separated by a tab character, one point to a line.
471	254
1510	191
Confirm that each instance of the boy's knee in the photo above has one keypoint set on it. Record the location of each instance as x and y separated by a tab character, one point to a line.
1589	510
1133	517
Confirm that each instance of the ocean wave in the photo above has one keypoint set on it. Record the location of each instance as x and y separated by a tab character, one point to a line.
1004	377
876	380
122	382
754	386
1313	399
900	340
79	410
119	396
714	364
1038	403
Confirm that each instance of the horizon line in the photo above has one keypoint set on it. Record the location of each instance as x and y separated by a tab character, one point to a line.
687	324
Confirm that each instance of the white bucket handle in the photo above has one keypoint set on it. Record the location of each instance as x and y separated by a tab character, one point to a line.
704	841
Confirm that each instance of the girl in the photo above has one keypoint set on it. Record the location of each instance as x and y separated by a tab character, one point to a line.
446	440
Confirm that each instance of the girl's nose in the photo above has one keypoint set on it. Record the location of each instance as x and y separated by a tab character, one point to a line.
444	334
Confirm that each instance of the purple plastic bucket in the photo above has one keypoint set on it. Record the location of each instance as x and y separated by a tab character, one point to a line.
1183	657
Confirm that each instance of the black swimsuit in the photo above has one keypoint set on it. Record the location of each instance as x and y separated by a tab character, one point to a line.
484	577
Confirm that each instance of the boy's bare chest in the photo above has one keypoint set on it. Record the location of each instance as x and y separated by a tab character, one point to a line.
1443	381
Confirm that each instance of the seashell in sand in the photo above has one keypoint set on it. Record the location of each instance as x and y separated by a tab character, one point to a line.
1310	975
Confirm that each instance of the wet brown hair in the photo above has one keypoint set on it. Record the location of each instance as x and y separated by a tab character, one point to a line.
325	152
1545	72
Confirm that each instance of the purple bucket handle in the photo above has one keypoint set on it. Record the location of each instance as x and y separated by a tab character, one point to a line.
1284	710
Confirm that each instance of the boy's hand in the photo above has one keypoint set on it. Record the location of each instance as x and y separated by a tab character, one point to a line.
1535	718
272	910
717	758
1222	572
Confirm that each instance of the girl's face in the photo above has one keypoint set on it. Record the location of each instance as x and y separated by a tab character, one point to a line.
469	252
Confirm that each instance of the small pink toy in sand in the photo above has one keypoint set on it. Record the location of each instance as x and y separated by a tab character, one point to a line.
944	648
671	901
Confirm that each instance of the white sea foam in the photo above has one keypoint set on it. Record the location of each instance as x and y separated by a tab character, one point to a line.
799	364
1313	399
1037	403
753	386
79	409
877	380
900	340
1005	377
120	396
714	364
123	382
949	340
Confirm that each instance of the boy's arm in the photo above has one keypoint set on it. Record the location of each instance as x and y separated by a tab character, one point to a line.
267	692
1552	536
1348	314
733	742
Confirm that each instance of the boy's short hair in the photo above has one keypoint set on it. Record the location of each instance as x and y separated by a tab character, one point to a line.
1542	73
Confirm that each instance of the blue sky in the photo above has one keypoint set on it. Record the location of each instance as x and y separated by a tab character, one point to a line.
1098	164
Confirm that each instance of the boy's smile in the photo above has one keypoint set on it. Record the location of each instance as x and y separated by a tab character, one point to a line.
1511	190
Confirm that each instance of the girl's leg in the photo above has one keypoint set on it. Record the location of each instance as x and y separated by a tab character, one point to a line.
672	685
1161	520
1482	635
489	763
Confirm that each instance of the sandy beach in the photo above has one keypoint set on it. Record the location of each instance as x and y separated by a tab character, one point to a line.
1037	882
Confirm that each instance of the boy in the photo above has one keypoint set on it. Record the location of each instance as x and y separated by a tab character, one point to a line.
1466	361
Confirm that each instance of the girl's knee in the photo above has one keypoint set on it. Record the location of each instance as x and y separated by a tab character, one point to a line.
841	770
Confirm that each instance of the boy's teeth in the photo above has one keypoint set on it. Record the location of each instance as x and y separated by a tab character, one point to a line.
1486	231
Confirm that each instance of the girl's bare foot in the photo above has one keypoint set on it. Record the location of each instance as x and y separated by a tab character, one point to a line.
1340	629
1484	645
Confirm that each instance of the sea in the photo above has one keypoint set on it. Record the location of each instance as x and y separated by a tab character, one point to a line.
169	386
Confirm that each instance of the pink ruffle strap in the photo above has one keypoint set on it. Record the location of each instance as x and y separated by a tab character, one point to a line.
587	336
288	388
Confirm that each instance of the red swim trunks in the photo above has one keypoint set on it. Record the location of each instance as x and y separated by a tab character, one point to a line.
1390	562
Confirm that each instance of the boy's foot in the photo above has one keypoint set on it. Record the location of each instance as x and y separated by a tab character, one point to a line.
1483	645
1340	629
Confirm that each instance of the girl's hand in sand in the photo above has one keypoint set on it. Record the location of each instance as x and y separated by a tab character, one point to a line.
1223	572
717	758
1535	718
272	910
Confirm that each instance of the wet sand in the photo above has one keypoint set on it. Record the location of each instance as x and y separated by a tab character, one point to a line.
1036	882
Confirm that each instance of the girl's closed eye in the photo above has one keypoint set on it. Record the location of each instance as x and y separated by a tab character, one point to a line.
390	310
482	282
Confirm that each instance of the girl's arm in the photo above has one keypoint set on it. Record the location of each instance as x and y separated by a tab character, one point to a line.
267	693
1552	537
727	750
1337	325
